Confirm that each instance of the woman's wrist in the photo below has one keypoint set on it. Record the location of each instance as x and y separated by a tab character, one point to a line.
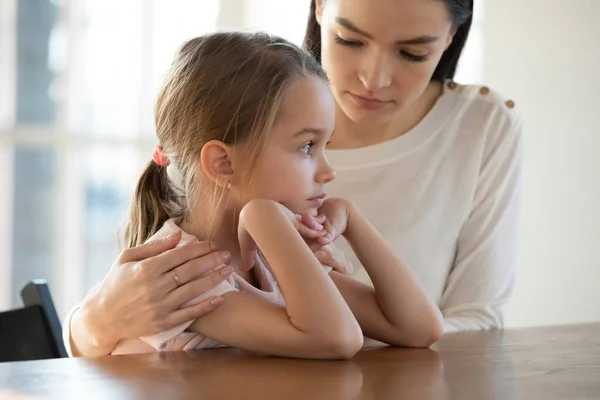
91	329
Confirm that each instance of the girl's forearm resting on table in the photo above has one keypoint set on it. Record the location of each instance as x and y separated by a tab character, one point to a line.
315	322
314	305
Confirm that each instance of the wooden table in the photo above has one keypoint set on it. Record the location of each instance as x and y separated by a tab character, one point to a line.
540	363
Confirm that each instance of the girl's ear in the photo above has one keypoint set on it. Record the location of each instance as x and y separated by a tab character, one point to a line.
216	161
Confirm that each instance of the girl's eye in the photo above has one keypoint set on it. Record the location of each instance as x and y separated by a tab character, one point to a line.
307	147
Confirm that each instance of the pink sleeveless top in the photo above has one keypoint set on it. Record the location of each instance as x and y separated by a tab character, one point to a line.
179	338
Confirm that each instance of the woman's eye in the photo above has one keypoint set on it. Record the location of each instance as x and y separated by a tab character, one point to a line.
348	43
413	57
405	54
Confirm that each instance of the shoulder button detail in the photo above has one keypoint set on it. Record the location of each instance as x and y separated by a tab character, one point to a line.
452	85
510	104
484	90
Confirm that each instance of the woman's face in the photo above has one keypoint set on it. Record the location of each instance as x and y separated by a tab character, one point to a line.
380	55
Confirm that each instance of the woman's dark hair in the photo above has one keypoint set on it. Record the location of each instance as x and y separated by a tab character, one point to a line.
461	12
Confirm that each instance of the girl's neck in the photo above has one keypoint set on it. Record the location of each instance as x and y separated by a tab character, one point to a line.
350	135
220	229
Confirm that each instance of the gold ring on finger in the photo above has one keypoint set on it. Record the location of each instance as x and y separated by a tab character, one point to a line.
176	279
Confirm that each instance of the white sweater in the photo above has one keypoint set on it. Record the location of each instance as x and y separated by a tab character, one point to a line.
445	195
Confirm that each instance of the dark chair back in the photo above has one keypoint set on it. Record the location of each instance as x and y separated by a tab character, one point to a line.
34	331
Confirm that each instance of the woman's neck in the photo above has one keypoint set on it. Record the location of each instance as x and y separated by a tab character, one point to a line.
350	135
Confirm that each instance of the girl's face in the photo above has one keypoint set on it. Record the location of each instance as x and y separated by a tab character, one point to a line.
292	168
380	55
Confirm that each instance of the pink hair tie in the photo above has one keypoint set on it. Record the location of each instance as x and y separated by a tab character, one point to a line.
159	157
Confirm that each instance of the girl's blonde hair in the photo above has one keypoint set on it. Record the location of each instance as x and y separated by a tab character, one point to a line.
227	86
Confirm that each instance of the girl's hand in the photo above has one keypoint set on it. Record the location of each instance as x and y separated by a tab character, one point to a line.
336	212
328	255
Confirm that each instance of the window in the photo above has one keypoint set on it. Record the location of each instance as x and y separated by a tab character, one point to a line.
284	18
78	83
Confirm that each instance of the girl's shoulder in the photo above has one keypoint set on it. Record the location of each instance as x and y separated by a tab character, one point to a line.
170	227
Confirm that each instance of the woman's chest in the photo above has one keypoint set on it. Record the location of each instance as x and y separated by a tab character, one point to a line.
419	213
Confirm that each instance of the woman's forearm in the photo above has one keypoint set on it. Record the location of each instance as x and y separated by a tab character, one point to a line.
88	337
400	295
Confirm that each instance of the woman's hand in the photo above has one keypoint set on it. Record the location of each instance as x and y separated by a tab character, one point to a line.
140	294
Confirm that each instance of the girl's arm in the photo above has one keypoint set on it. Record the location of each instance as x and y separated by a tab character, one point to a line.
396	310
316	321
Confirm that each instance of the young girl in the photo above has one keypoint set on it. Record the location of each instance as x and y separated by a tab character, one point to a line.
243	121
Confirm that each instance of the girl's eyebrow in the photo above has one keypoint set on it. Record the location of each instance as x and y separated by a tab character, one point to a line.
304	131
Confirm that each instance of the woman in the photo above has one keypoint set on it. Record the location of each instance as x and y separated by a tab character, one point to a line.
434	165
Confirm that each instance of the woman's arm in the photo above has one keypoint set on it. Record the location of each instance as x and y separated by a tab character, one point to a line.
397	309
139	296
483	275
316	321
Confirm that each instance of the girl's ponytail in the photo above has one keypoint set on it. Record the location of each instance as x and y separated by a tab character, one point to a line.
225	86
148	212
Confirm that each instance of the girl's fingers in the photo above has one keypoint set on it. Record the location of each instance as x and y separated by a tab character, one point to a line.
334	259
311	222
309	233
321	218
324	240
